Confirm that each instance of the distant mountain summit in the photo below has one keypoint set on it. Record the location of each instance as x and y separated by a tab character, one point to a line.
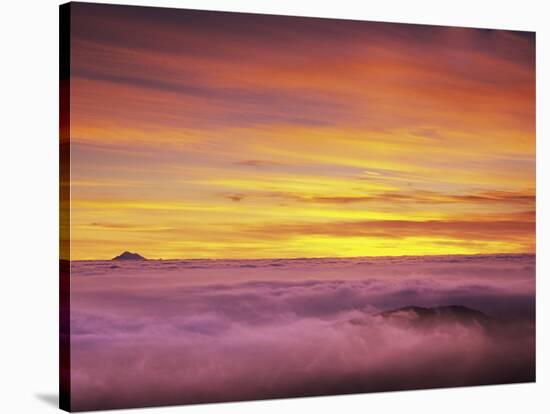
129	256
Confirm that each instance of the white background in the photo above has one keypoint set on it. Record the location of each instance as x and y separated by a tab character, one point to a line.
29	218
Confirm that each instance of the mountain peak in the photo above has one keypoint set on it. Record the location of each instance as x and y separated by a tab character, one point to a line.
129	256
449	313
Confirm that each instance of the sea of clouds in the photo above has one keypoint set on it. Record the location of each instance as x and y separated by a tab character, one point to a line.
174	332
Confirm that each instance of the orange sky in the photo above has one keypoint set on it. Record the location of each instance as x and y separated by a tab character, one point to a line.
220	135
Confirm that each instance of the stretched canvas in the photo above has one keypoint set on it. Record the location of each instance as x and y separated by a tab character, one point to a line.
258	206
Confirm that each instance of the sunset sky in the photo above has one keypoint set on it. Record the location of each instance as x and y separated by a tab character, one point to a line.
222	135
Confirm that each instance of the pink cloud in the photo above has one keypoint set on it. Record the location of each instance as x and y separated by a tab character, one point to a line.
158	333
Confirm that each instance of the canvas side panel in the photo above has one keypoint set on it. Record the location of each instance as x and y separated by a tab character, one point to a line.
64	207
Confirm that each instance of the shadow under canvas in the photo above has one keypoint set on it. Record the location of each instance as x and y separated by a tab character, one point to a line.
49	398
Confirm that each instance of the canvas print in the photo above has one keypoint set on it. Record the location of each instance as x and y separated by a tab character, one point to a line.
259	206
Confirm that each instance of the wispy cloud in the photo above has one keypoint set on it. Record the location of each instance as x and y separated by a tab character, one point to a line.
192	115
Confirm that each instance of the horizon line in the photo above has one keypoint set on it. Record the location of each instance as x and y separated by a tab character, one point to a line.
310	257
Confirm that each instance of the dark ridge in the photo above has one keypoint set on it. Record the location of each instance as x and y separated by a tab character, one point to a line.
129	256
451	313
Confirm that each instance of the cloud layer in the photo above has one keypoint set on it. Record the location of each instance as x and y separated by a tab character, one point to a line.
201	331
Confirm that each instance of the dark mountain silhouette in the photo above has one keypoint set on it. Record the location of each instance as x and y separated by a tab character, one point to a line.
418	315
129	256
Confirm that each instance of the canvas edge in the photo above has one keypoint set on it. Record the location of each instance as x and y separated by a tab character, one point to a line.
64	207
